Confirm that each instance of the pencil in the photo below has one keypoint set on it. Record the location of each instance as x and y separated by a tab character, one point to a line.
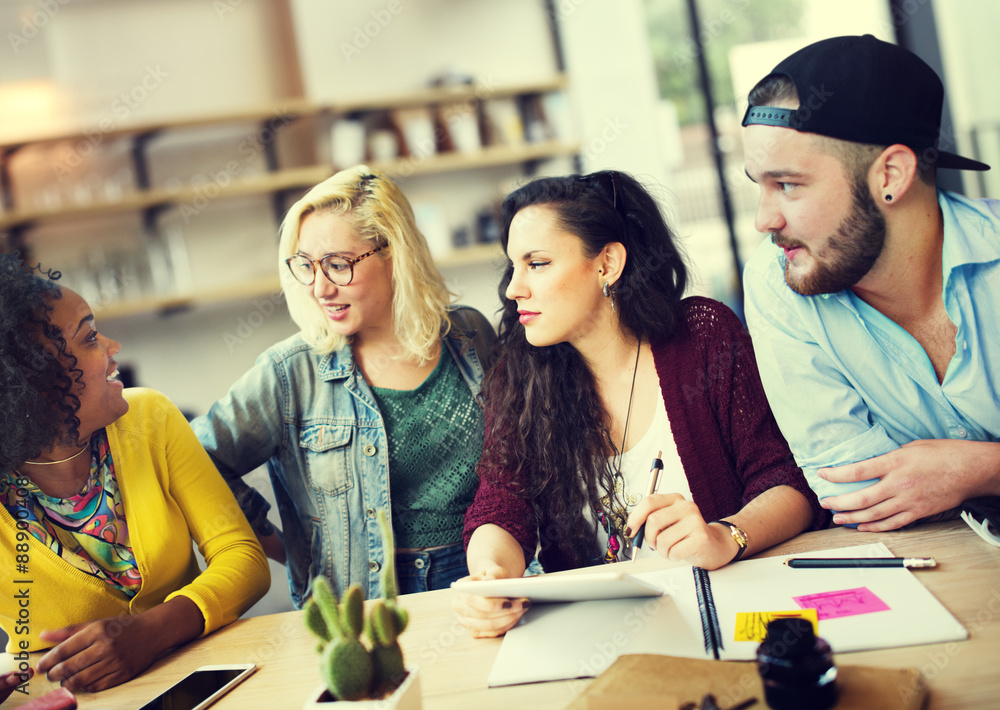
841	562
654	477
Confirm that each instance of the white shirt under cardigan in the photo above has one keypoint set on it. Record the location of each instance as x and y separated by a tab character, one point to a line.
635	468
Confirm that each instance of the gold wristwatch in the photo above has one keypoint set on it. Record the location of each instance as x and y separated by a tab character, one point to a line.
739	534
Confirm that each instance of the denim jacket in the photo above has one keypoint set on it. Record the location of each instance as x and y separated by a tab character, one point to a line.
315	423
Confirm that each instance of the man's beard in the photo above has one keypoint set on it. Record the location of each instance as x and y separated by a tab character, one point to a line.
850	253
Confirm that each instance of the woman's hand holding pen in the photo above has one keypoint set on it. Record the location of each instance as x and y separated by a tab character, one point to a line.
486	617
675	528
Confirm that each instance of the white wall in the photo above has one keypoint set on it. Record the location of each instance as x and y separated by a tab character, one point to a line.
613	87
366	48
970	53
119	62
967	33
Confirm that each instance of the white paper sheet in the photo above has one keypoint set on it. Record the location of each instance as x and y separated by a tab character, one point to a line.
581	639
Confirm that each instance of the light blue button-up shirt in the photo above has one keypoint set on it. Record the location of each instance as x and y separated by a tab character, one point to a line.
846	383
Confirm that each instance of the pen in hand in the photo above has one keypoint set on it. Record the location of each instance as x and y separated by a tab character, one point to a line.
654	476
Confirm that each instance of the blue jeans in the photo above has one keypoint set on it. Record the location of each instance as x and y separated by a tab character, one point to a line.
436	569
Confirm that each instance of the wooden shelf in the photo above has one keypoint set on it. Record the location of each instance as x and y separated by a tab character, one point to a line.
449	95
170	302
264	286
471	255
277	181
292	107
268	182
298	108
294	178
487	157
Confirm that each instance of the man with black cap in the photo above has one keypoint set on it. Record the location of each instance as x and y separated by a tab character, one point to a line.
875	305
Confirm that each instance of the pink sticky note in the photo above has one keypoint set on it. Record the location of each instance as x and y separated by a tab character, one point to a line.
847	602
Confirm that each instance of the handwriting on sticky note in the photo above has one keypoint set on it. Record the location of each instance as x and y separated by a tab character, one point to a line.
752	625
847	602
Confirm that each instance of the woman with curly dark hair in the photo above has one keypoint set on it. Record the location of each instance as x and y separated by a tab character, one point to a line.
601	366
102	491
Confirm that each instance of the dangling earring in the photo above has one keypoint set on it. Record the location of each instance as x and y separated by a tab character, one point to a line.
612	299
607	290
888	198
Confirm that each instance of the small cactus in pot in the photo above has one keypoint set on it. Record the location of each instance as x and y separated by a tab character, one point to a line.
360	656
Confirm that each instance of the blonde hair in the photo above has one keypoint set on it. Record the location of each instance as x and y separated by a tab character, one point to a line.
382	216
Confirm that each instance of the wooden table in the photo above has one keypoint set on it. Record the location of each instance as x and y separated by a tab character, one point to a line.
454	667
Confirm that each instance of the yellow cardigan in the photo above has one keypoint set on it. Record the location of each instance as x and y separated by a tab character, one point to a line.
172	495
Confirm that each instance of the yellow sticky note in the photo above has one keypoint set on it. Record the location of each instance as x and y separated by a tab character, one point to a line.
752	625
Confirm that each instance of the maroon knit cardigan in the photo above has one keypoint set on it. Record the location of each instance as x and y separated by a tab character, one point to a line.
728	441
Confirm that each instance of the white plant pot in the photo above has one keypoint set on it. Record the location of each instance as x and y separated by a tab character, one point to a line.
405	697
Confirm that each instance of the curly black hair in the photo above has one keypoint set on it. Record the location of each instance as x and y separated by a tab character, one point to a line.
38	408
549	427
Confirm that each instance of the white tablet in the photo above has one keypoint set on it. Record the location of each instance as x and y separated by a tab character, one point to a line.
561	588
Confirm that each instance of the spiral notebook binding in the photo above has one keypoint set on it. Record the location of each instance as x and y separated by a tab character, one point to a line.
710	629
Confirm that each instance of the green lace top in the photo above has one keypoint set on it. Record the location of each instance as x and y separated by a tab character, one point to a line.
435	435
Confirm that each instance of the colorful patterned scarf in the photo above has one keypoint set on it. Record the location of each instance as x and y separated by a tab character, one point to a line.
87	530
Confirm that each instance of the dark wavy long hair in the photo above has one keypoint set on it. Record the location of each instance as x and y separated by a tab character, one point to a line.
37	406
549	431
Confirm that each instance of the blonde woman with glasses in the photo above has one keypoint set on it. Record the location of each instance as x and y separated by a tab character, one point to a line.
378	392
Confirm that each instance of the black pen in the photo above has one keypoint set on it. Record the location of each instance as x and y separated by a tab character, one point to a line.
841	562
654	477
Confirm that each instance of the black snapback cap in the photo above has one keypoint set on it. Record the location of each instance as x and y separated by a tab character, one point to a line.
864	90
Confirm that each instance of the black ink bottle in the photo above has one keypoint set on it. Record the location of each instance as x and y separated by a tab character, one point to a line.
796	667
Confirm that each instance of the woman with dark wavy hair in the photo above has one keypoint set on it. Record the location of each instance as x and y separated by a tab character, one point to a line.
601	366
102	492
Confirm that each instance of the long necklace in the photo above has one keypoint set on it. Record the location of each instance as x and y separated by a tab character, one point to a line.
628	412
70	458
607	516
